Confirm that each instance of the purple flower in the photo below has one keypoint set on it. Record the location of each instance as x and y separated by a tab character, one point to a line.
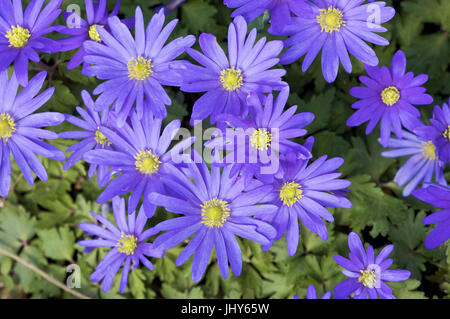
228	81
139	156
389	96
439	132
336	27
127	243
266	132
21	131
82	30
303	191
22	33
280	10
422	165
216	209
368	275
438	196
311	294
92	137
135	69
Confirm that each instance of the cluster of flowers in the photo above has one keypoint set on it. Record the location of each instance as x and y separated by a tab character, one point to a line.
239	194
389	94
388	98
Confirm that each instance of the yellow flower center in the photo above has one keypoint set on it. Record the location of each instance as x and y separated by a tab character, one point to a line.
147	162
231	79
290	193
261	139
330	19
18	36
215	212
390	95
93	34
140	68
367	278
429	150
127	244
101	139
7	126
446	133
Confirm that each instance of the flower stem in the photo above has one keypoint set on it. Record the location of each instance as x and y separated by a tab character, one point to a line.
42	274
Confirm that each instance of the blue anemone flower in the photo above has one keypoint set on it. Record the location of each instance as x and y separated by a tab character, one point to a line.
21	131
127	240
23	33
216	209
139	156
228	80
389	98
337	28
92	137
82	30
423	164
255	141
135	69
368	275
303	190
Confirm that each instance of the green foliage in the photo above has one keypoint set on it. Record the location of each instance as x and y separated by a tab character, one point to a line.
57	245
39	223
198	15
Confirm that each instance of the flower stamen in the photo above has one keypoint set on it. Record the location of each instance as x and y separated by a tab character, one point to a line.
231	79
429	150
215	212
331	19
101	139
7	126
368	278
261	139
140	68
93	33
290	193
390	95
147	162
18	36
127	244
446	133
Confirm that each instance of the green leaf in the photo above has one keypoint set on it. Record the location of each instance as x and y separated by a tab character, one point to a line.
169	292
198	15
17	223
278	286
369	159
63	99
251	283
372	207
408	239
136	283
320	105
407	289
330	144
429	54
436	11
58	244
